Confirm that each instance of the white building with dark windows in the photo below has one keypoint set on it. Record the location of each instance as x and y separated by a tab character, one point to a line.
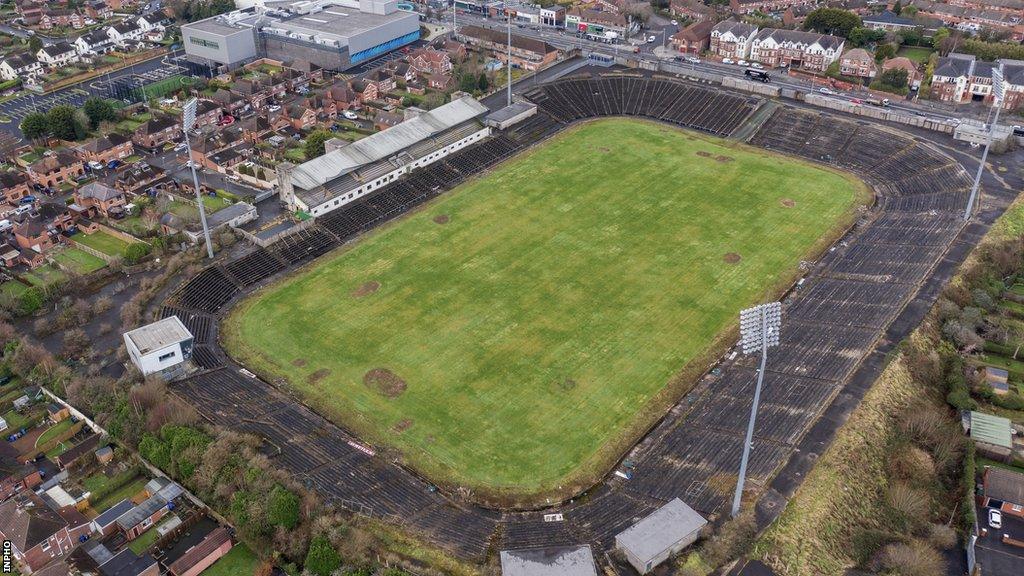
19	65
732	39
56	55
160	348
351	171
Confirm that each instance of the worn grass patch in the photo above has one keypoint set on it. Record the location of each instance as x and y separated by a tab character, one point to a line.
605	270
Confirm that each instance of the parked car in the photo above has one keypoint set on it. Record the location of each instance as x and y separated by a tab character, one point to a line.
350	115
995	518
675	23
273	108
5	225
826	91
113	164
693	60
756	65
180	147
27	200
94	165
23	209
728	61
743	63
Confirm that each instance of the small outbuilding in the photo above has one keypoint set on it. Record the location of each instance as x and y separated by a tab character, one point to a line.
997	378
161	347
510	115
560	561
657	537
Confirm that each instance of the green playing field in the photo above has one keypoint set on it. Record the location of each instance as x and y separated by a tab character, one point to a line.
518	334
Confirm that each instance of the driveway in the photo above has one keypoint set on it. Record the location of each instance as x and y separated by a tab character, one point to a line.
995	557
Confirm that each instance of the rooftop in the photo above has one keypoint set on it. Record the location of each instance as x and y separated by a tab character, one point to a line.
665	527
1005	485
158	335
385	143
561	561
991	429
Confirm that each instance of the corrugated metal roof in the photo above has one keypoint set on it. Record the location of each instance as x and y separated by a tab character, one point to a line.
991	429
658	532
337	163
159	334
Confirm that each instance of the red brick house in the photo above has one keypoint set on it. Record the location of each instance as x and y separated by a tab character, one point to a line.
15	476
14	186
693	39
56	168
207	113
692	9
859	63
439	81
365	91
38	533
98	198
384	81
343	96
103	149
1005	489
748	6
157	132
430	61
198	558
384	120
914	76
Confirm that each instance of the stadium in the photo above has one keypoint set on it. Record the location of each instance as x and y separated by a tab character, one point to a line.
354	357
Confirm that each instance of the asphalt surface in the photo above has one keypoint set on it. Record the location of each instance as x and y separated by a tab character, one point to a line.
995	557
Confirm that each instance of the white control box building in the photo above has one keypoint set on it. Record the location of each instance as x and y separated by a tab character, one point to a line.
161	347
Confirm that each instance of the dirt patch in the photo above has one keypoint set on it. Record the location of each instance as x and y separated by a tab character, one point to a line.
441	219
401	426
786	202
299	362
703	154
384	382
567	384
366	289
724	158
731	258
318	375
722	483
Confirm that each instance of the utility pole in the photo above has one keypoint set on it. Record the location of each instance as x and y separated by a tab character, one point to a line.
188	120
508	57
759	330
998	90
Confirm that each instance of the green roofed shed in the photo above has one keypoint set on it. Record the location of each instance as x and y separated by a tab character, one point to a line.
991	429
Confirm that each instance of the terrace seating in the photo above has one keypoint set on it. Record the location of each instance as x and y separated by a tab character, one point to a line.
253	267
303	245
206	291
200	325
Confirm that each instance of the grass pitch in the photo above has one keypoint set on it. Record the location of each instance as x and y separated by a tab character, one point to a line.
518	334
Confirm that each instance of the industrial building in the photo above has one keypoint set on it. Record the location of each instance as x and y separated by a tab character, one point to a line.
344	174
333	34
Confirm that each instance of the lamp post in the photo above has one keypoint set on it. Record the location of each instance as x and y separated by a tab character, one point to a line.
508	57
998	91
759	331
188	120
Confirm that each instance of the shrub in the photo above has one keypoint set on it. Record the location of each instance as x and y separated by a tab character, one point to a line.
909	504
135	252
322	559
283	508
941	536
914	559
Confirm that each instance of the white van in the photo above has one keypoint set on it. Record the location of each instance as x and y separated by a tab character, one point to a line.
5	225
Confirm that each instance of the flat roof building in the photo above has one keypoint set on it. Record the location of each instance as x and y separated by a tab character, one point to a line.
159	347
333	34
560	561
657	537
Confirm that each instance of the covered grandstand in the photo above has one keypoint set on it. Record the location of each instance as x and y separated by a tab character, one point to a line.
350	172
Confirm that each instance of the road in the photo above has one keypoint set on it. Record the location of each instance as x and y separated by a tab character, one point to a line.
996	558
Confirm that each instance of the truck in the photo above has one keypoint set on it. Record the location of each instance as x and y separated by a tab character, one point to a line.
881	103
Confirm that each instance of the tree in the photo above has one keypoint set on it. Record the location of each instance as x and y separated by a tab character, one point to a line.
897	8
135	251
98	110
894	78
909	12
35	43
861	36
832	21
483	83
940	36
35	126
315	143
283	508
322	559
65	123
884	52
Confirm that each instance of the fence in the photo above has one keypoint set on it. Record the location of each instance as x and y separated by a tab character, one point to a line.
92	251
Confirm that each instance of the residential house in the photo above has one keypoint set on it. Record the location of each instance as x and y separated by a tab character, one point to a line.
440	81
343	96
312	72
889	22
914	76
63	17
1013	84
125	31
128	563
695	38
15	475
365	91
55	168
98	9
139	519
384	81
57	55
527	53
14	185
255	92
951	77
19	65
810	50
94	42
73	455
383	120
138	177
103	149
456	50
198	558
208	113
732	39
795	15
226	160
256	127
858	62
323	107
1003	489
748	6
691	9
299	116
430	61
38	533
230	102
157	132
402	71
99	198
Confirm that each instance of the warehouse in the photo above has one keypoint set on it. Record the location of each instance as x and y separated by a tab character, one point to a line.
332	34
354	170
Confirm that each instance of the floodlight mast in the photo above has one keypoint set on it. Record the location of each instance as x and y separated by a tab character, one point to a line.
759	330
997	104
187	122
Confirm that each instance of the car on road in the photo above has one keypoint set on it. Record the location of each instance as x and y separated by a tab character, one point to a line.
180	147
756	66
94	165
651	39
350	115
675	23
27	200
826	91
728	61
693	60
995	518
743	63
113	164
273	108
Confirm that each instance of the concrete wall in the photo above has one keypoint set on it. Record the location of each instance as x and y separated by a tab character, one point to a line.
207	47
877	112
